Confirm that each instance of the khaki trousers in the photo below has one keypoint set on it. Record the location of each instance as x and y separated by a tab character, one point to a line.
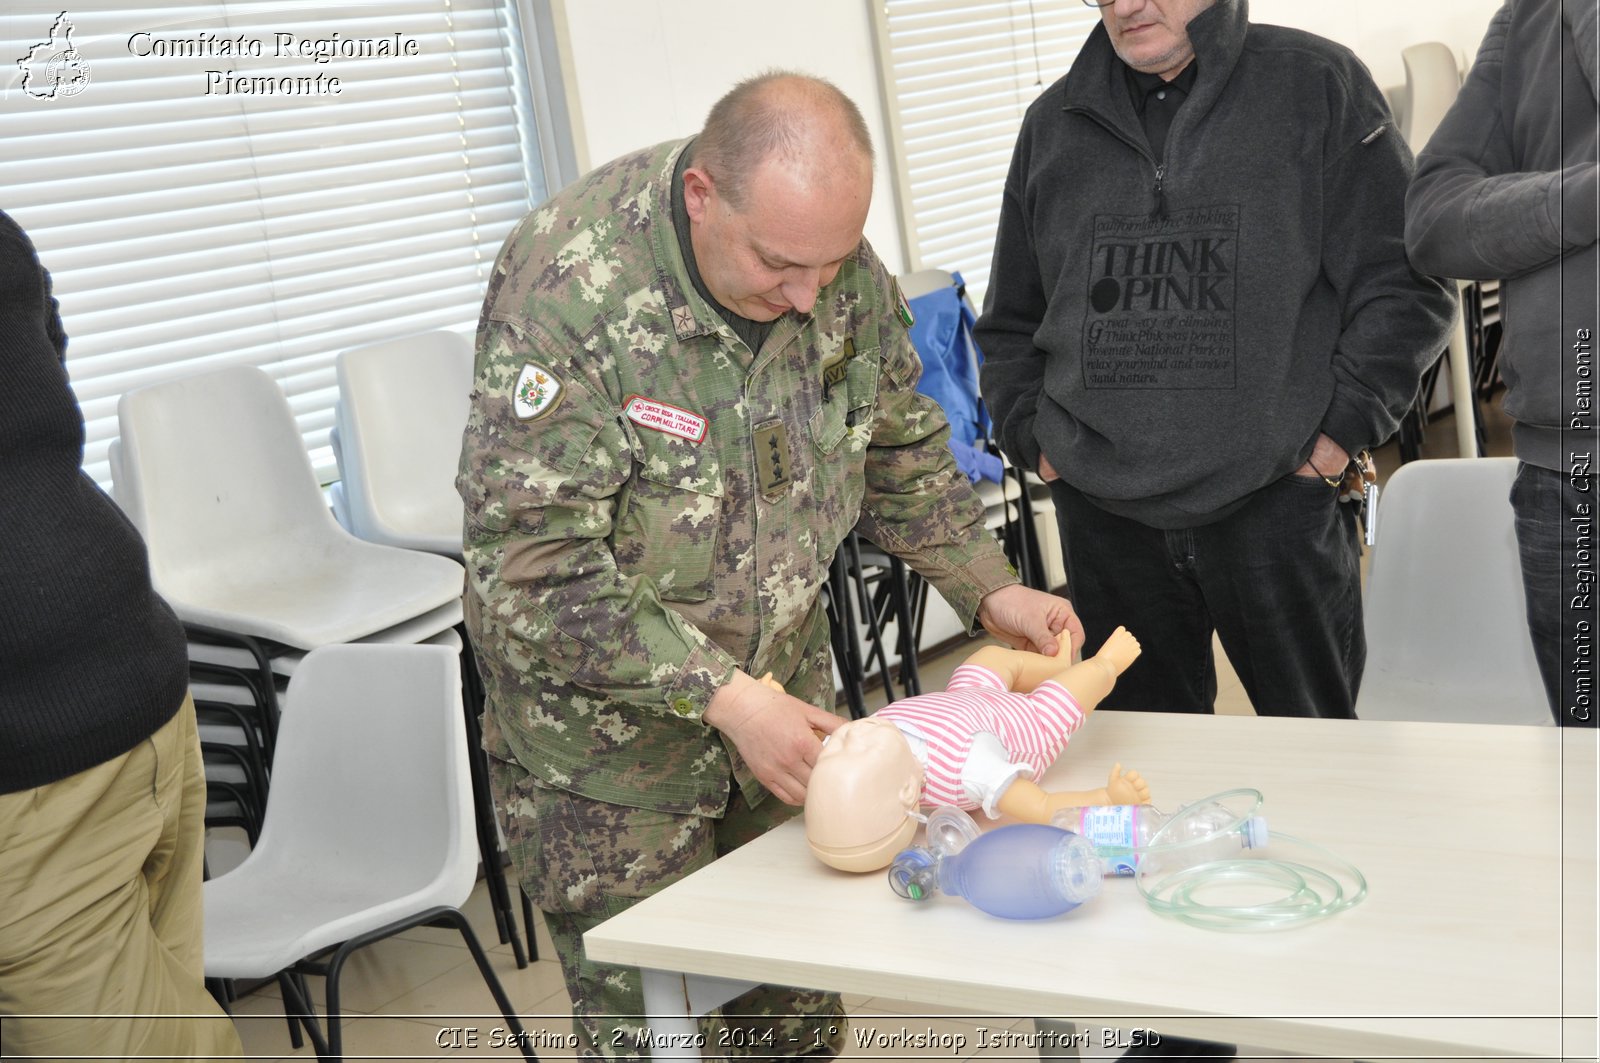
100	919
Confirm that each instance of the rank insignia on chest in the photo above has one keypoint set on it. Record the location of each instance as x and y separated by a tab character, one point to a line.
536	393
772	458
683	322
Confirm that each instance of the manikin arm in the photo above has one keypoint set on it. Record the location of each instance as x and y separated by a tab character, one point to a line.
1026	800
1088	681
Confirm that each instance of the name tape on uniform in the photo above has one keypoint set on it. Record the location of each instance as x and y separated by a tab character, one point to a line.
649	413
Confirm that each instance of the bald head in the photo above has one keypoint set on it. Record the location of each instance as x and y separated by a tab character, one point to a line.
777	193
801	124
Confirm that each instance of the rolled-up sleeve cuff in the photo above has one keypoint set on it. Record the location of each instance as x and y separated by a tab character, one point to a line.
706	671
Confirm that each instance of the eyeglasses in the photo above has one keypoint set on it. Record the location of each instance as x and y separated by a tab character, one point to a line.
1098	3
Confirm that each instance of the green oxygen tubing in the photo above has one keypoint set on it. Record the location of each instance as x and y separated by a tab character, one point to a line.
1179	877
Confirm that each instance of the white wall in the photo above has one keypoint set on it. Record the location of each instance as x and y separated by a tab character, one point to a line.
1377	30
643	71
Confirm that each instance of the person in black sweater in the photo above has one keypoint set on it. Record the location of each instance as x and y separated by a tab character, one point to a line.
1200	312
102	795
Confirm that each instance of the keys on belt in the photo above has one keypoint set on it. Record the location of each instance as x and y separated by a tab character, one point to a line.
1360	485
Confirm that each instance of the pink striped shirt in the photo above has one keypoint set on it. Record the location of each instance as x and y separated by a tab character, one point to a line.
1033	728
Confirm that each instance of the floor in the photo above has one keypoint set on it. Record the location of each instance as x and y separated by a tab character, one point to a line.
419	996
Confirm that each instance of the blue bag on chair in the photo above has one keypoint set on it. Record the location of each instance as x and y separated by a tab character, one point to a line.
942	334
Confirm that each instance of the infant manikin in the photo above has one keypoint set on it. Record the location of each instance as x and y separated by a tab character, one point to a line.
1000	723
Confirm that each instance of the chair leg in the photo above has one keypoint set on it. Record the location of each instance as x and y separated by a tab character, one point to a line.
842	634
332	1050
492	980
494	878
527	921
335	1051
296	997
221	990
875	647
258	649
910	631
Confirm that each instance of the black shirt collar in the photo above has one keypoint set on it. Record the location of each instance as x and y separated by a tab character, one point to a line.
1142	85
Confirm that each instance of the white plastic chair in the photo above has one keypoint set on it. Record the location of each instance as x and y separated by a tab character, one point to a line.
368	826
212	470
1433	81
1447	630
239	535
402	407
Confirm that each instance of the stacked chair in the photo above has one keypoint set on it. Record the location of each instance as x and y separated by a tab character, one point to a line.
366	832
212	470
397	438
867	592
403	405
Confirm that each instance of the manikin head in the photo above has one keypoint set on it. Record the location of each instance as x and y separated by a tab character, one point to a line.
864	787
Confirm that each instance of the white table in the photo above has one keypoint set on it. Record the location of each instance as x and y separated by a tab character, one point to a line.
1477	939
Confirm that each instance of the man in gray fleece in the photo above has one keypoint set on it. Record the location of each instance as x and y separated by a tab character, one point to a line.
1201	308
1506	190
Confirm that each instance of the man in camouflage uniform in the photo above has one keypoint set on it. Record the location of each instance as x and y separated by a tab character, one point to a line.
693	380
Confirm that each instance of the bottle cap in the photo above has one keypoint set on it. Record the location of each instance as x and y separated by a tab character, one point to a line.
1077	868
1255	832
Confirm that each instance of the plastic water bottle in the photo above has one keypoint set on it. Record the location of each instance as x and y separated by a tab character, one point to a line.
1023	871
1128	837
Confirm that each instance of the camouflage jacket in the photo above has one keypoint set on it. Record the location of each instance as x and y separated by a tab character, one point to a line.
650	505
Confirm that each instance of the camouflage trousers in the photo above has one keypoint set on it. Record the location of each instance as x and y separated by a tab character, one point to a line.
583	861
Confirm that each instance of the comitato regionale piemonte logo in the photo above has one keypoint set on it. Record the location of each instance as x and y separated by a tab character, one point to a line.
54	68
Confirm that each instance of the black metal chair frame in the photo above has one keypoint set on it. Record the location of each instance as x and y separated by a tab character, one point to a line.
329	1046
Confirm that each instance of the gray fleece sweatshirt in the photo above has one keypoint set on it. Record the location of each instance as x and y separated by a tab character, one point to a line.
1506	190
1173	334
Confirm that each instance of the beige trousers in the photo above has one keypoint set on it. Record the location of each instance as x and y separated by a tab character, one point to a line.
100	919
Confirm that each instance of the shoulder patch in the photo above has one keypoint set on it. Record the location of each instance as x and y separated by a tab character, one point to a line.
902	308
537	392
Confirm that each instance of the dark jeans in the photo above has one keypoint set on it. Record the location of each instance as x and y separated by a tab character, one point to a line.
1278	580
1555	541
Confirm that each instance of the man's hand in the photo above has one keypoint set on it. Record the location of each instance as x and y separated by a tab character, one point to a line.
1047	472
1328	460
777	735
1026	619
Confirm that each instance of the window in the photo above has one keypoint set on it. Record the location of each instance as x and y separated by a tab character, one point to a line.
215	183
958	76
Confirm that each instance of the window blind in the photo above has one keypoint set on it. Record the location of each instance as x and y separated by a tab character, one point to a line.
261	183
958	76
